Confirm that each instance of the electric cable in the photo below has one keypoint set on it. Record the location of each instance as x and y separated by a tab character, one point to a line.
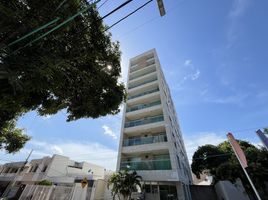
145	4
55	28
102	4
117	8
212	156
151	20
69	19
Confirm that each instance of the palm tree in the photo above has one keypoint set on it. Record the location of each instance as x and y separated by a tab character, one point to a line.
124	183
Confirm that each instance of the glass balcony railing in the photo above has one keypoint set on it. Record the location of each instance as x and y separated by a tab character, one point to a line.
137	67
144	121
142	83
142	106
163	164
145	140
140	75
143	93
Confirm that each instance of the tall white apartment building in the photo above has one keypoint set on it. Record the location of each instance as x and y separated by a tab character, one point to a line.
151	142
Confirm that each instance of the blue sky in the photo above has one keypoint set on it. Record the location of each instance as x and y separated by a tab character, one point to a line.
214	57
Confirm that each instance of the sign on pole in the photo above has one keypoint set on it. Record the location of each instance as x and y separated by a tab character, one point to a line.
84	182
263	138
242	159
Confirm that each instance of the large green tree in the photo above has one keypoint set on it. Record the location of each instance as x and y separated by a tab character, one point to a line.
222	163
76	67
124	183
12	139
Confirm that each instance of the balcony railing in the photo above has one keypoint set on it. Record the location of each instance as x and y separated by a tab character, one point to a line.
142	106
8	174
144	121
135	68
140	75
145	140
163	164
143	93
142	83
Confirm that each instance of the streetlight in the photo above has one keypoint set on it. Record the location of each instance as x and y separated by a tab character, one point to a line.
161	7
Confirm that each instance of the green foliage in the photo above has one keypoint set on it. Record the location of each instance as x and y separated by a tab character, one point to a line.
76	67
202	159
12	139
225	166
123	183
45	182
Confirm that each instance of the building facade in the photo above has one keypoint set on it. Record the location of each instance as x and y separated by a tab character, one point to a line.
58	169
151	141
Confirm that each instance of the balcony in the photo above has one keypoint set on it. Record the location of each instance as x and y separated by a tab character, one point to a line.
8	175
143	106
155	164
144	121
143	93
138	67
142	83
138	75
145	140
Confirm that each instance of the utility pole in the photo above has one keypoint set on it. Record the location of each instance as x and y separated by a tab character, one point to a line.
12	183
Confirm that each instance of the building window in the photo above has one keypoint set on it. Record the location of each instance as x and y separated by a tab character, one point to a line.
44	168
178	160
148	188
34	169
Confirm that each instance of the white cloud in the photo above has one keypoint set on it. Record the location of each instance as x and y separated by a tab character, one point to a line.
187	62
192	76
90	152
56	149
237	99
238	8
195	75
109	132
193	72
195	140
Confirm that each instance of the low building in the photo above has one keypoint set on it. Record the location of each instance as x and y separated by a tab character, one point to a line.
60	170
204	179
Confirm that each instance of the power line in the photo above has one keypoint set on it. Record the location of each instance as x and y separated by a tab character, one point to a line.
129	14
212	156
102	4
71	18
248	129
34	31
55	28
117	8
151	20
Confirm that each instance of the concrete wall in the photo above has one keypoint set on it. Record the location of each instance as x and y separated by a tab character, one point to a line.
227	191
98	190
98	171
55	192
58	166
200	192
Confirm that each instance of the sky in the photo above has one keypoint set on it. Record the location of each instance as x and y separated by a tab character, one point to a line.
214	57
